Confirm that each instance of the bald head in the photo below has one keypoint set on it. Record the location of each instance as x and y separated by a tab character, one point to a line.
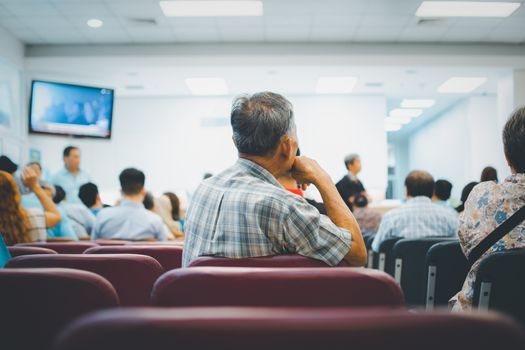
419	183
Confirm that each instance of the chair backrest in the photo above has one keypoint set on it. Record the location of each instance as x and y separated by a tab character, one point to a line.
410	270
447	269
240	286
265	261
368	238
383	260
20	250
36	304
132	275
500	283
110	242
62	247
287	329
170	257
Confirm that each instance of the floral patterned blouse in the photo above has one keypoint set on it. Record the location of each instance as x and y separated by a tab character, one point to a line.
489	205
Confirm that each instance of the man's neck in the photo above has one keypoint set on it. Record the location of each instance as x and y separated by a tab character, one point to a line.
137	198
267	163
73	171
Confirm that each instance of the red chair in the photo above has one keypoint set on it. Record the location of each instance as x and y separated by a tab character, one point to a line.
20	250
132	275
265	261
238	286
170	257
62	247
110	242
36	304
288	329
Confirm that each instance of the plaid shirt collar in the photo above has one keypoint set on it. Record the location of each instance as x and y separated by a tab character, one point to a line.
257	171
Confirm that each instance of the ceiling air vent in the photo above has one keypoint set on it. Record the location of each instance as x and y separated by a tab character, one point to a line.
431	21
142	22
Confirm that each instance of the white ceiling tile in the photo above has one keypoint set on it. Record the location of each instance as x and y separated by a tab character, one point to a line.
389	7
29	36
291	21
244	22
43	22
153	34
62	37
234	34
135	9
12	24
288	33
337	20
34	8
341	7
82	8
384	20
422	34
332	34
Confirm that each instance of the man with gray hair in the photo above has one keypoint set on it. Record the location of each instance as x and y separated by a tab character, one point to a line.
244	212
350	186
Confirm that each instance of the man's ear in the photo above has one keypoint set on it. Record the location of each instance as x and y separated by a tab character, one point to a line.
286	147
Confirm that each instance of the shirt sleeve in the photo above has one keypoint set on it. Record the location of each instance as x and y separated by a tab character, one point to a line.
311	234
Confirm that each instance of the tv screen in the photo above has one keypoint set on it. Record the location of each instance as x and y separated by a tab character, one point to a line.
66	109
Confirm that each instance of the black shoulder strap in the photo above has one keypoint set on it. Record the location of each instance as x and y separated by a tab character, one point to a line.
500	232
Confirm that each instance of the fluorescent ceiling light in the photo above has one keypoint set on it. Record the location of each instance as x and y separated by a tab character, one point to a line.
405	112
461	85
398	120
392	127
412	103
211	8
207	86
335	85
435	9
95	23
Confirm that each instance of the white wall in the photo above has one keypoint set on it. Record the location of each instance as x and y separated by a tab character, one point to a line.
167	139
460	143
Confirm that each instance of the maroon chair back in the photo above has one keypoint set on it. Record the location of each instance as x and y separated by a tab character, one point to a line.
62	247
265	261
170	257
21	250
36	304
238	286
288	329
111	242
132	275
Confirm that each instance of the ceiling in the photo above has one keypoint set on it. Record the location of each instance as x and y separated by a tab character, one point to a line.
142	21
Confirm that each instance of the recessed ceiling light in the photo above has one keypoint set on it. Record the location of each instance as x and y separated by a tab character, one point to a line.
389	126
207	86
405	112
417	103
95	23
398	120
335	85
466	9
461	85
211	8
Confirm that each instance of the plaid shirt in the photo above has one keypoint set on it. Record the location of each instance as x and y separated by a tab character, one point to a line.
417	218
244	212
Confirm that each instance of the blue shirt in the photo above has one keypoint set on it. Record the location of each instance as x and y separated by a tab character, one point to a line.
417	218
129	221
244	212
64	228
71	183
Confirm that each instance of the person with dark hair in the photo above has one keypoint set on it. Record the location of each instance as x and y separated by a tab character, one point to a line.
207	176
350	186
367	218
442	192
71	177
64	229
80	218
244	211
418	217
464	195
489	174
88	194
130	220
149	202
490	204
7	165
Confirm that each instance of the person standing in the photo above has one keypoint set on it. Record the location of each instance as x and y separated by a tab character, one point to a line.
350	186
71	177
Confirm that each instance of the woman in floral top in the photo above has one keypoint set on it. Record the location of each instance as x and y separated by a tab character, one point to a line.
490	204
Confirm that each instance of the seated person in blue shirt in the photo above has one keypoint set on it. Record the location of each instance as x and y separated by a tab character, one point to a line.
245	212
64	229
88	194
442	191
71	177
130	220
81	218
419	217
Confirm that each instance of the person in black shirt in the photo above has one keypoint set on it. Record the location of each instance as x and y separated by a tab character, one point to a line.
350	186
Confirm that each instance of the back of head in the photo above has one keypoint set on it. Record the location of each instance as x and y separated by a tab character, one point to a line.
13	219
149	202
514	140
175	205
132	181
442	189
419	183
88	193
467	189
60	194
7	165
350	159
360	201
259	121
489	174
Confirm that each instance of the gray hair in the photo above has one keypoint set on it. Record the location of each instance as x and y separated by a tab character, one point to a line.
351	158
259	121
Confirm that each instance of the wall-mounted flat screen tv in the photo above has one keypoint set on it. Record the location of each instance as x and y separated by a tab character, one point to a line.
72	110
